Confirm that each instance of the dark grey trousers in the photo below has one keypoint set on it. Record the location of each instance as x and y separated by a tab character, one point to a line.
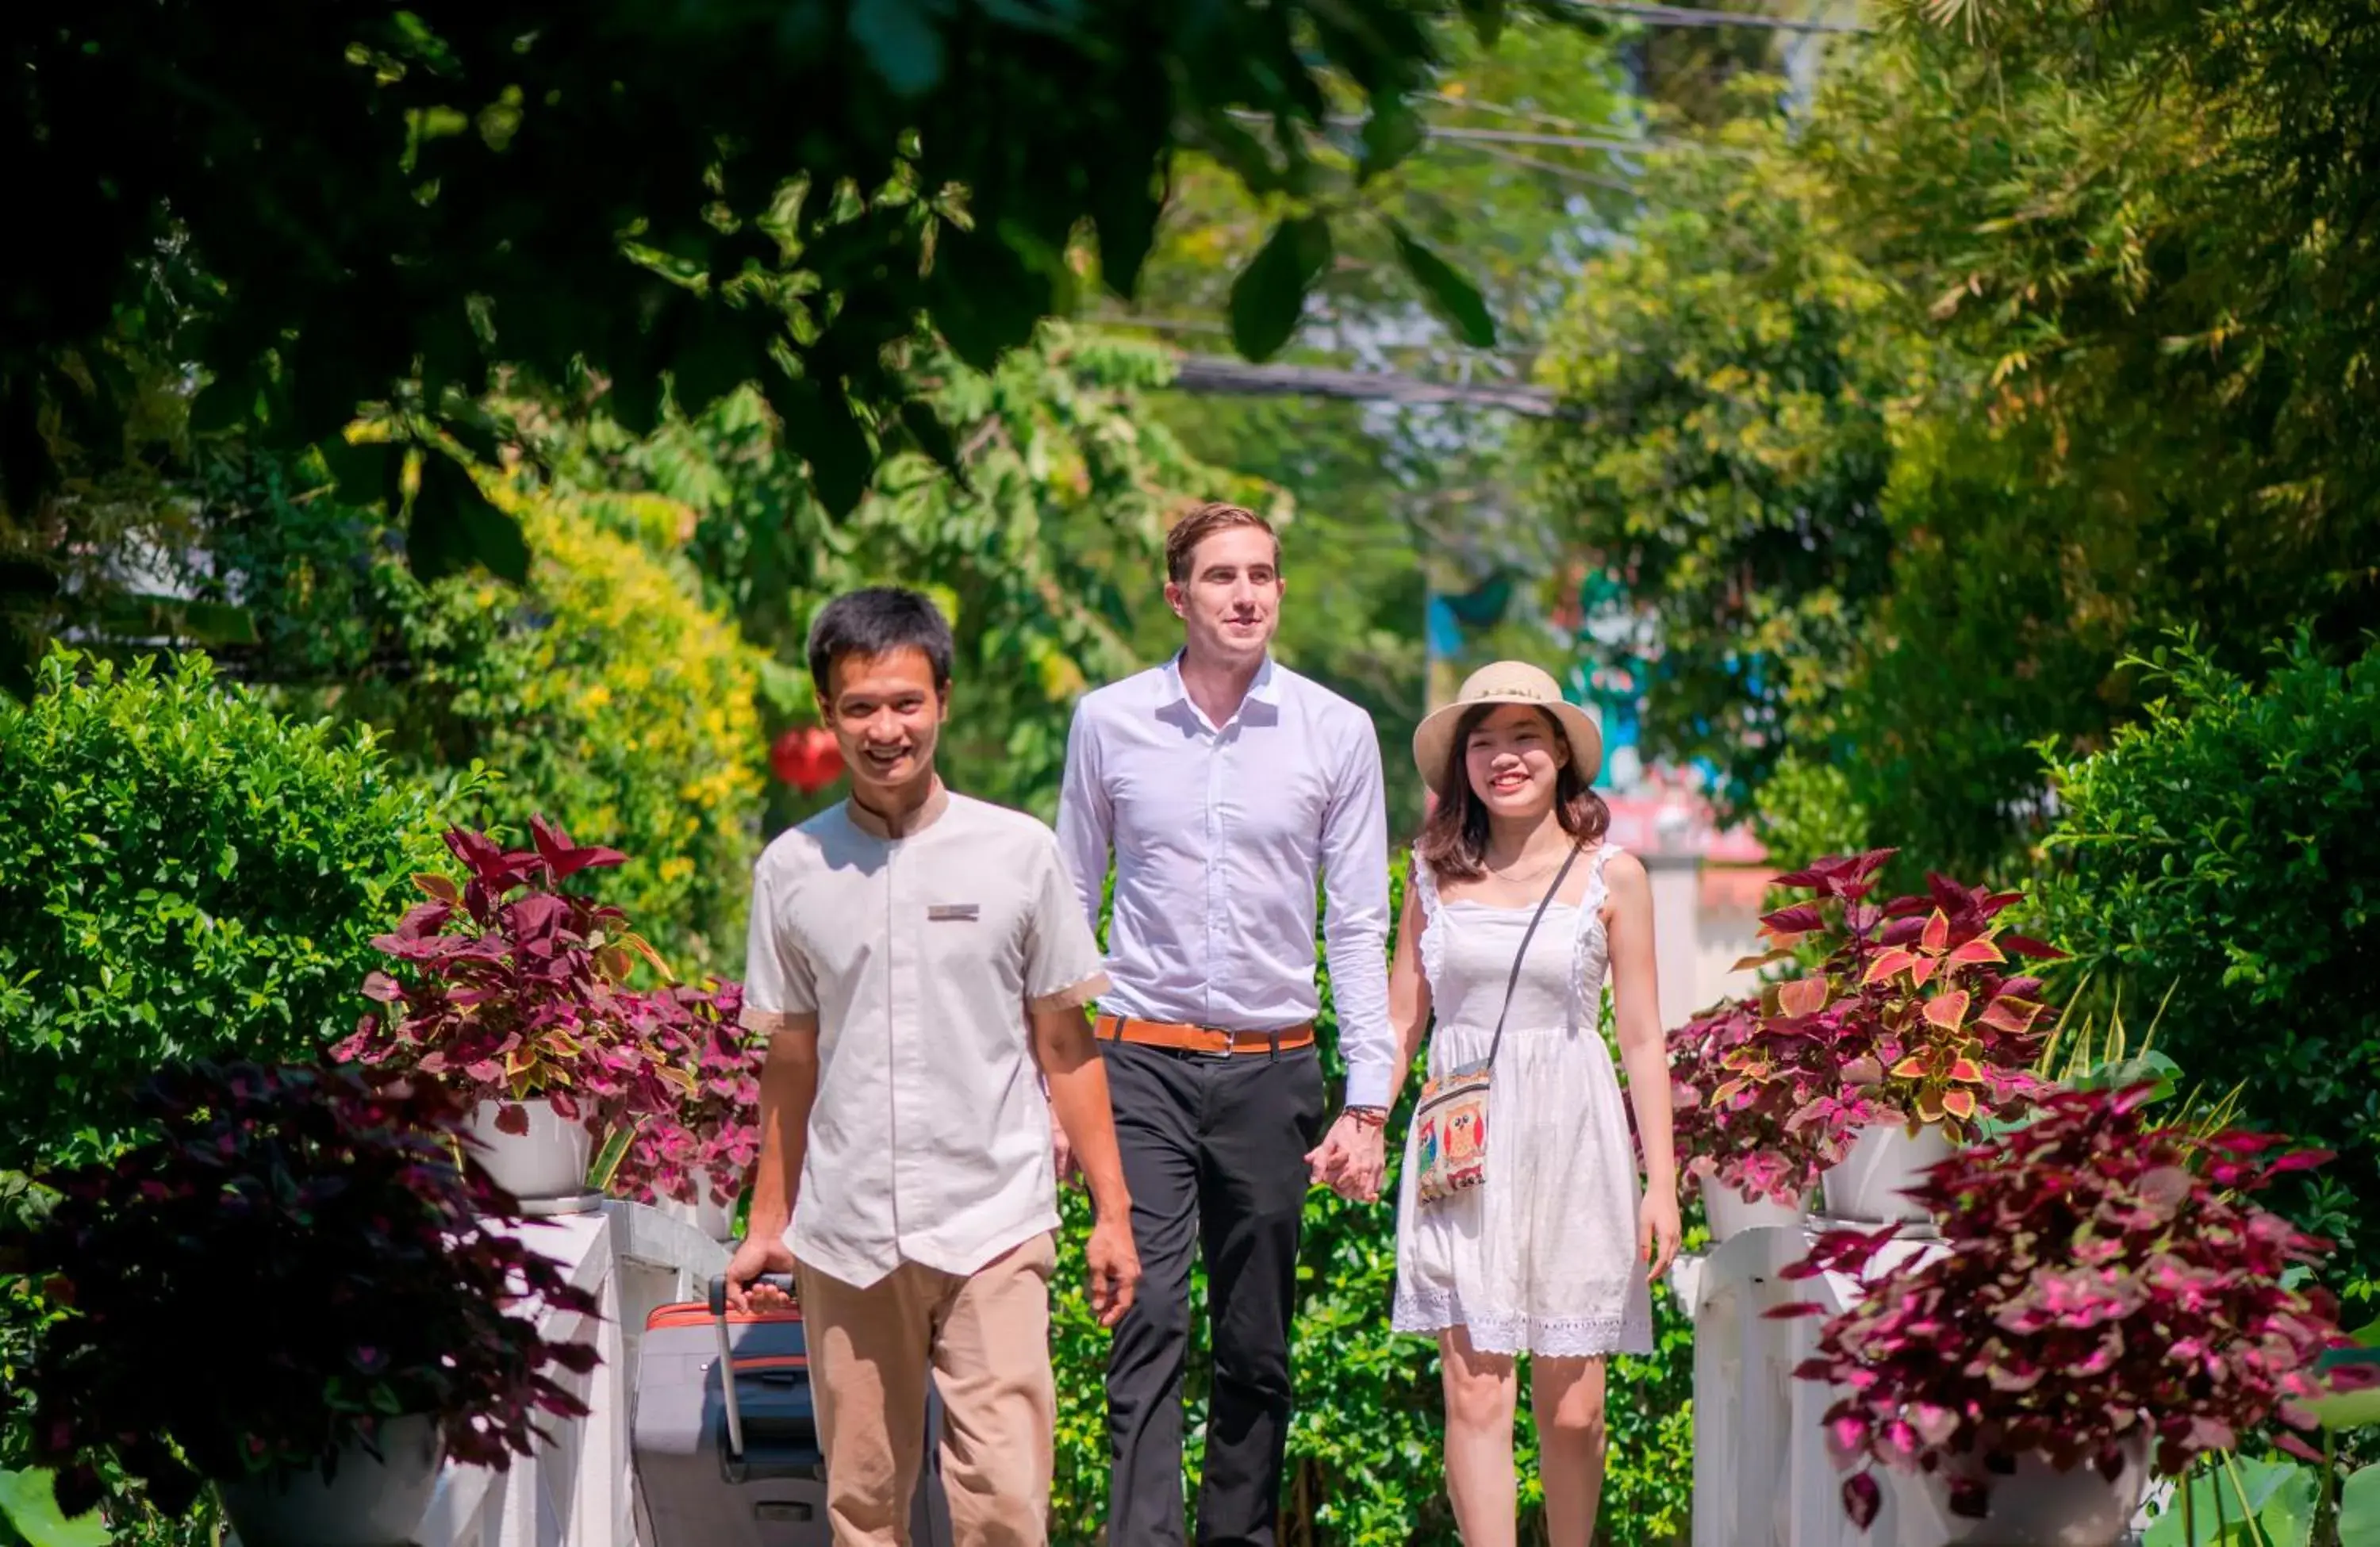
1214	1152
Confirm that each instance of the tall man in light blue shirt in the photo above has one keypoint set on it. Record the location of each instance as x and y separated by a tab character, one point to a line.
1225	787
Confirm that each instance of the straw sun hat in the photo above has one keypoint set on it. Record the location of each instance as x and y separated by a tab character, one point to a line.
1506	682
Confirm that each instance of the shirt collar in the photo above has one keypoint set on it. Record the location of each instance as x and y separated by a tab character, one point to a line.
1265	689
938	800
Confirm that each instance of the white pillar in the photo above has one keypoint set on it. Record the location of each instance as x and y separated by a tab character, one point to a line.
1677	929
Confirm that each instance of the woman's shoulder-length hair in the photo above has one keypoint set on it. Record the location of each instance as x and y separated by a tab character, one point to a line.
1454	838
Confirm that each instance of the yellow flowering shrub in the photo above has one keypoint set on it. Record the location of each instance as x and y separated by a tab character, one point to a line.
606	696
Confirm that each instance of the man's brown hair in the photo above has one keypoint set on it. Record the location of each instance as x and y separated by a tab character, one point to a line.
1201	522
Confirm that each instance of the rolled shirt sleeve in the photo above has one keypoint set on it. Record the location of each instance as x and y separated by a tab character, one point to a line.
1355	919
1062	967
780	992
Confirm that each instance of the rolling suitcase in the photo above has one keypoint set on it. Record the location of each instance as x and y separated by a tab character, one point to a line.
735	1462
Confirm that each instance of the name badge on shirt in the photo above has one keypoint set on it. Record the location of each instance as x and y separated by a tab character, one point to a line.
963	913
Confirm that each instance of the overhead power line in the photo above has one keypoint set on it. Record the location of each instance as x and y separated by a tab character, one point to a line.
1215	373
1690	15
1611	144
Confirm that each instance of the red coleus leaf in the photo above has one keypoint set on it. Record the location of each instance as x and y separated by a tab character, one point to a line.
1959	1104
1937	934
2025	945
1887	963
2299	1448
1911	1067
1799	920
563	858
2005	1014
1948	1010
1862	1499
1803	996
1975	952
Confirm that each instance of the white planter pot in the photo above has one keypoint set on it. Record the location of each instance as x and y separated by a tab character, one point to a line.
548	1161
1885	1160
1732	1213
2037	1506
361	1502
714	1220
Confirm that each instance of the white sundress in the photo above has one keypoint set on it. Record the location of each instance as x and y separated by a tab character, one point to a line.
1541	1256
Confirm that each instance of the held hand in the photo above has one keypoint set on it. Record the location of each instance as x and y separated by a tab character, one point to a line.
755	1255
1351	1160
1657	1231
1114	1264
1061	1153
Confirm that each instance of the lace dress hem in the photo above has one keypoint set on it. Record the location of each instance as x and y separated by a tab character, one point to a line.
1428	1312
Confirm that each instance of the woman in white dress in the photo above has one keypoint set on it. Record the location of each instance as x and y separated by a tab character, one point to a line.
1550	1254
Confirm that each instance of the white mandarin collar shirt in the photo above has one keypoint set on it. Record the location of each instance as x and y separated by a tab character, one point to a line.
1221	834
916	958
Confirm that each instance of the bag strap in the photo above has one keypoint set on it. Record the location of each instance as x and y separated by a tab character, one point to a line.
1513	981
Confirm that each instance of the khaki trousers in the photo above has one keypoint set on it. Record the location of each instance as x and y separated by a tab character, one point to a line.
985	1337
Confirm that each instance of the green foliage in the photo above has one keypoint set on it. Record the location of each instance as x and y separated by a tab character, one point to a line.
2225	850
1045	554
1910	422
1734	365
628	198
1367	1446
190	875
602	691
1807	811
613	701
29	1515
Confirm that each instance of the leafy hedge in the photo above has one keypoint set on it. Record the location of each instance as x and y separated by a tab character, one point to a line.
2227	850
610	699
189	875
1367	1446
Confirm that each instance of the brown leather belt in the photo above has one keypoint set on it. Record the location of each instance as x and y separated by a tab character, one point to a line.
1199	1039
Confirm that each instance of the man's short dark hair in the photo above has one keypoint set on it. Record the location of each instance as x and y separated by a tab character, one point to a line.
1203	521
877	621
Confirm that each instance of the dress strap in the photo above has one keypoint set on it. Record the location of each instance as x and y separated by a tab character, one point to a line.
1598	889
1424	881
1589	957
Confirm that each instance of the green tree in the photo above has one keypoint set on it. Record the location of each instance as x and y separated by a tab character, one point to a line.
1394	501
603	693
1735	367
1046	552
336	206
2082	395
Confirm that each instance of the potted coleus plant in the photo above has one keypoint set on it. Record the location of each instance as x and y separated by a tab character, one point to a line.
696	1156
2108	1305
287	1292
512	993
1736	1090
1914	1005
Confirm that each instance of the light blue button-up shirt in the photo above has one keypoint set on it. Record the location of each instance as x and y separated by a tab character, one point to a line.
1221	836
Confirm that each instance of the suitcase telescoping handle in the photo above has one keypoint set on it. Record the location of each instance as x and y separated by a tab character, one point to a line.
783	1281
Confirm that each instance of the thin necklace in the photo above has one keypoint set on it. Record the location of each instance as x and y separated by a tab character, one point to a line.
1516	880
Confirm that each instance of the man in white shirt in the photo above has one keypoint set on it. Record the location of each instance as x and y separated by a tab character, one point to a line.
921	966
1226	785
